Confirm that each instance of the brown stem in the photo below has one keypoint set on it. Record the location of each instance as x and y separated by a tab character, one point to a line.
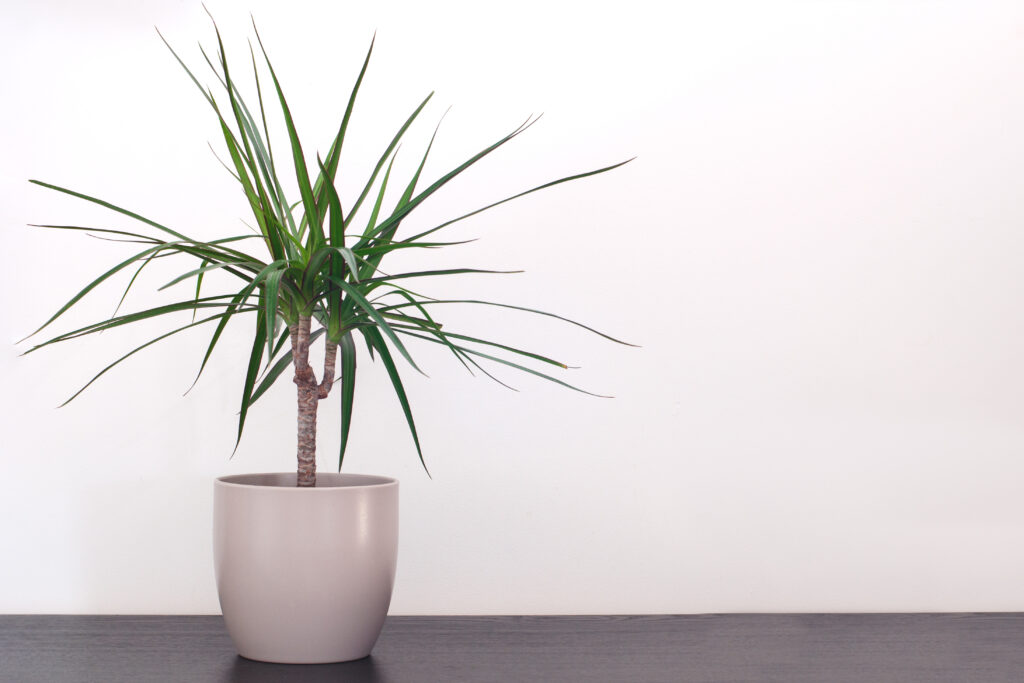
300	347
330	360
308	391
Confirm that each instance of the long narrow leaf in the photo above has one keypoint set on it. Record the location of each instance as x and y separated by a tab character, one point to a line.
347	347
407	208
135	276
515	308
200	271
431	273
255	360
517	196
373	337
384	156
275	371
206	95
117	321
431	323
327	176
372	222
299	159
270	301
236	301
112	207
443	336
361	301
136	350
509	363
385	247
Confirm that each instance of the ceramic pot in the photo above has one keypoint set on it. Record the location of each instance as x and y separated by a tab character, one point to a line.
305	575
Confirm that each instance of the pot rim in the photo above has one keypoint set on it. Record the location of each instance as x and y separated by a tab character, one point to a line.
356	481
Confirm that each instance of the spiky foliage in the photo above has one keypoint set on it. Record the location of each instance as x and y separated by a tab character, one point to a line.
321	264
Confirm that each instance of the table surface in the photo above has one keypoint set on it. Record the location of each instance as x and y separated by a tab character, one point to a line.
733	648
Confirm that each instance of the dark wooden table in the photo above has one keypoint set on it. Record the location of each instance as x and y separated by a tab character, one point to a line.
737	648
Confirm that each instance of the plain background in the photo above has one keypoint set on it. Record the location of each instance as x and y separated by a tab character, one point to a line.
820	250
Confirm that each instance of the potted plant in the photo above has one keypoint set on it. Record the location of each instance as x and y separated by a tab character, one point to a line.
305	562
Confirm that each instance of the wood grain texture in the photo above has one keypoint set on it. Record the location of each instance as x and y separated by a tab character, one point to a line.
734	648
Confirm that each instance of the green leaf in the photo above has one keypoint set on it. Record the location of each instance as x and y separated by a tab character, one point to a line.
384	247
112	207
522	368
361	301
274	372
301	174
373	338
266	133
411	187
347	347
328	175
136	350
515	308
380	197
236	109
384	156
199	271
117	321
236	301
445	334
431	323
251	195
337	222
284	338
407	208
135	276
206	95
517	196
199	286
270	311
431	273
336	241
319	258
255	360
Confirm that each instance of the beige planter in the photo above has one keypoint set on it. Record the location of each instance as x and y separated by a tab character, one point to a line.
305	574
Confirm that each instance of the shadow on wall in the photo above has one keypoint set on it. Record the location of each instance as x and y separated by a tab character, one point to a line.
140	541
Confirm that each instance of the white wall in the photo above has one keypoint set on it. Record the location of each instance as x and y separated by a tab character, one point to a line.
820	248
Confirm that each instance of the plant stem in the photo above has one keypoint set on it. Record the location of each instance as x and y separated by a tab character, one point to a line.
330	360
308	396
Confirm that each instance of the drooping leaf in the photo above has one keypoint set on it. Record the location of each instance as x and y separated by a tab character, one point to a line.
374	338
255	360
112	207
434	302
361	301
278	368
136	350
445	334
509	363
236	301
117	321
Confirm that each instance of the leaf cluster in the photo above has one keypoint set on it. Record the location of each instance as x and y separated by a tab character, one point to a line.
320	260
